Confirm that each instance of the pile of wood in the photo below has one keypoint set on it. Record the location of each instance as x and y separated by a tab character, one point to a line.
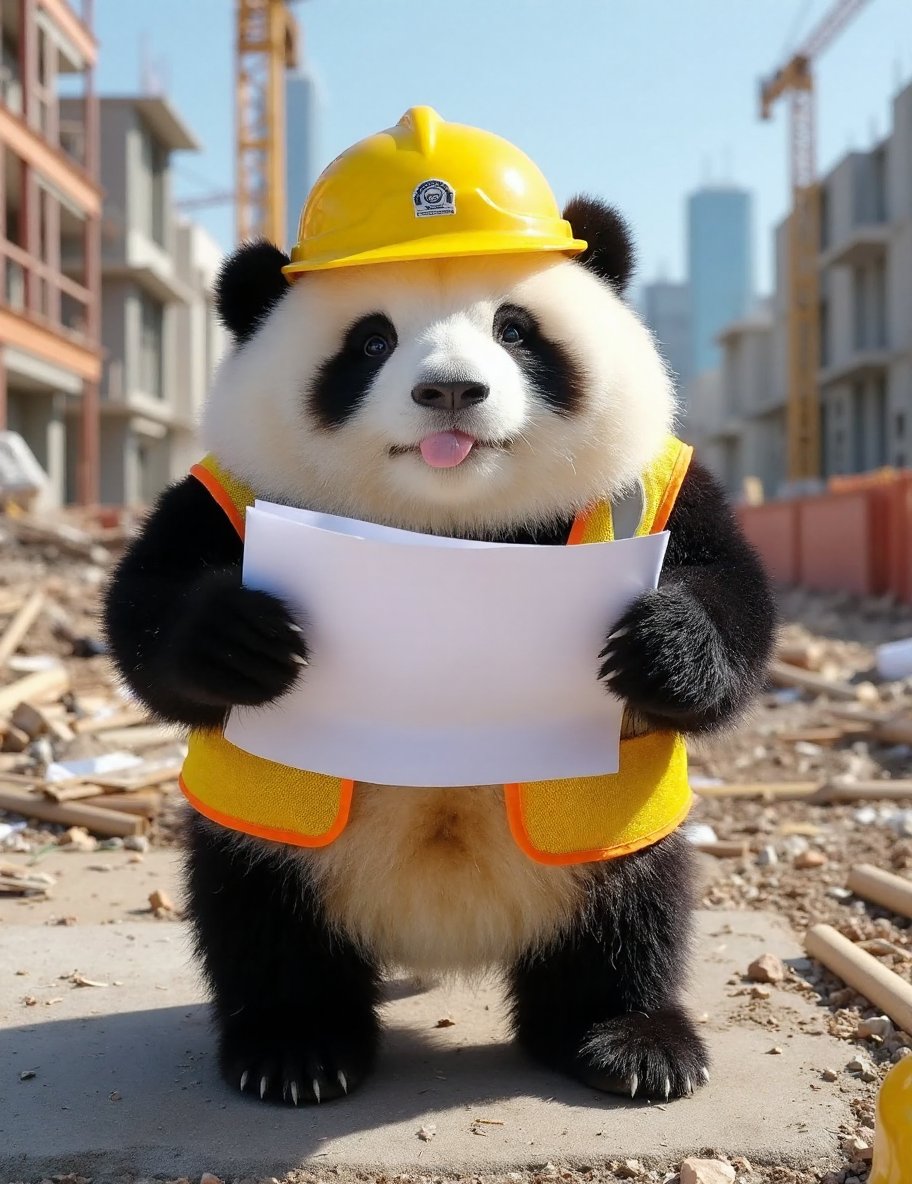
74	753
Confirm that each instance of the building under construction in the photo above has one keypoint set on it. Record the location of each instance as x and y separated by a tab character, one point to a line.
50	220
863	375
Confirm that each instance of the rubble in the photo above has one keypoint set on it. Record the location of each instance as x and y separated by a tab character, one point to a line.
79	761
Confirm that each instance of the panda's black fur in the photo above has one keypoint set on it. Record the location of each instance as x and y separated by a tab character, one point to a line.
296	997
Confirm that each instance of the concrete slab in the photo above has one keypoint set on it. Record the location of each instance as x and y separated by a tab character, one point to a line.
124	1076
94	886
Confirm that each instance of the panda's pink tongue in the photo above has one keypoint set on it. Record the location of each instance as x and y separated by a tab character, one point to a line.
445	450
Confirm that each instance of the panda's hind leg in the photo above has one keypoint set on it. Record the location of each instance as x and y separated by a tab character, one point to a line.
602	1001
295	1003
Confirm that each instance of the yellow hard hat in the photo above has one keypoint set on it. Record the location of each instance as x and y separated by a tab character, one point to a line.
893	1128
428	189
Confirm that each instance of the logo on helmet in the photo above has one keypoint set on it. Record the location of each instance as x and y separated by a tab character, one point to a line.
434	198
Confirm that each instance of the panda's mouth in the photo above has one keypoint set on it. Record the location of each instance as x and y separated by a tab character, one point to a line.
444	450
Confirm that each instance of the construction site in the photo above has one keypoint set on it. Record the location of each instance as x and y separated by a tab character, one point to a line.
802	821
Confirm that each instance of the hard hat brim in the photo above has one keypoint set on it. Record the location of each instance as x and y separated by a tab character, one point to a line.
458	245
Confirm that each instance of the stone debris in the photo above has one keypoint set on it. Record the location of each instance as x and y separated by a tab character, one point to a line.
161	904
864	1068
707	1171
810	859
879	1027
766	969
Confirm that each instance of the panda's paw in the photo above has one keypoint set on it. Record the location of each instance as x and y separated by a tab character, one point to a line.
294	1073
658	1056
665	659
234	646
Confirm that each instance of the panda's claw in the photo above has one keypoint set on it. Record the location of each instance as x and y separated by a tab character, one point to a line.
634	1083
245	1077
704	1072
300	659
316	1089
343	1081
667	1088
264	1085
688	1087
294	1092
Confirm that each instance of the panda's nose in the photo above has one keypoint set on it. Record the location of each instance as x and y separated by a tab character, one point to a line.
450	396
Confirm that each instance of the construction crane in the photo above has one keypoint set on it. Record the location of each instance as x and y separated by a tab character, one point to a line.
267	46
795	79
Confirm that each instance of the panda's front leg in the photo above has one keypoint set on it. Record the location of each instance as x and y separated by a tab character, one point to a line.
689	655
602	1001
295	1002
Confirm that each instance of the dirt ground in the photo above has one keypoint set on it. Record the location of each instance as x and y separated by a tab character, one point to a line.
796	853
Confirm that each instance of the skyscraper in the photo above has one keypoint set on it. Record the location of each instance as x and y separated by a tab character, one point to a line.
302	102
666	310
720	266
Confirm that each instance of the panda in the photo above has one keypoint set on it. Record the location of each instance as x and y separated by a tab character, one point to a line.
480	397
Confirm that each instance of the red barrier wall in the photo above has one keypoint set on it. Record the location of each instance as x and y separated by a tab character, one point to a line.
856	537
836	545
773	530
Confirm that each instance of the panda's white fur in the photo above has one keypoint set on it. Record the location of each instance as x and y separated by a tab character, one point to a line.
433	879
257	420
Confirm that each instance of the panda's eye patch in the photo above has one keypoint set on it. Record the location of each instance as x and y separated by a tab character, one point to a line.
372	337
513	325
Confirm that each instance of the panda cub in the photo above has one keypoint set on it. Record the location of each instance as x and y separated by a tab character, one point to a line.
488	398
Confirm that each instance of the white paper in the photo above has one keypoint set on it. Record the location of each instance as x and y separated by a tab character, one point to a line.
434	664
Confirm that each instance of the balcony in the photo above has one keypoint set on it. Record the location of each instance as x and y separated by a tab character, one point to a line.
864	244
863	363
47	297
135	255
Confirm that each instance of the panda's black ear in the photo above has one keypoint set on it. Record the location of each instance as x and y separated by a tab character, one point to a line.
610	253
249	286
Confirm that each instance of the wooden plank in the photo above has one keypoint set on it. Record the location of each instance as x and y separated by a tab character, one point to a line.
724	849
868	791
54	682
108	723
134	739
864	972
809	655
145	802
58	791
831	735
783	675
94	818
782	790
140	778
883	888
19	626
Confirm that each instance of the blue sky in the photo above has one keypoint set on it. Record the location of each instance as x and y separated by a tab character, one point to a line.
638	101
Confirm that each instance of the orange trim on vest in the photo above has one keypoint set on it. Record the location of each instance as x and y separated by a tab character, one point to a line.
578	529
678	473
293	838
513	797
220	495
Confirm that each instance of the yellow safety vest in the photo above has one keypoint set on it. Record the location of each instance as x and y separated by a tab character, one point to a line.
574	820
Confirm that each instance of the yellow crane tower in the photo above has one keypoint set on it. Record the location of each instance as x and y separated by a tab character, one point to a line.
267	45
795	79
